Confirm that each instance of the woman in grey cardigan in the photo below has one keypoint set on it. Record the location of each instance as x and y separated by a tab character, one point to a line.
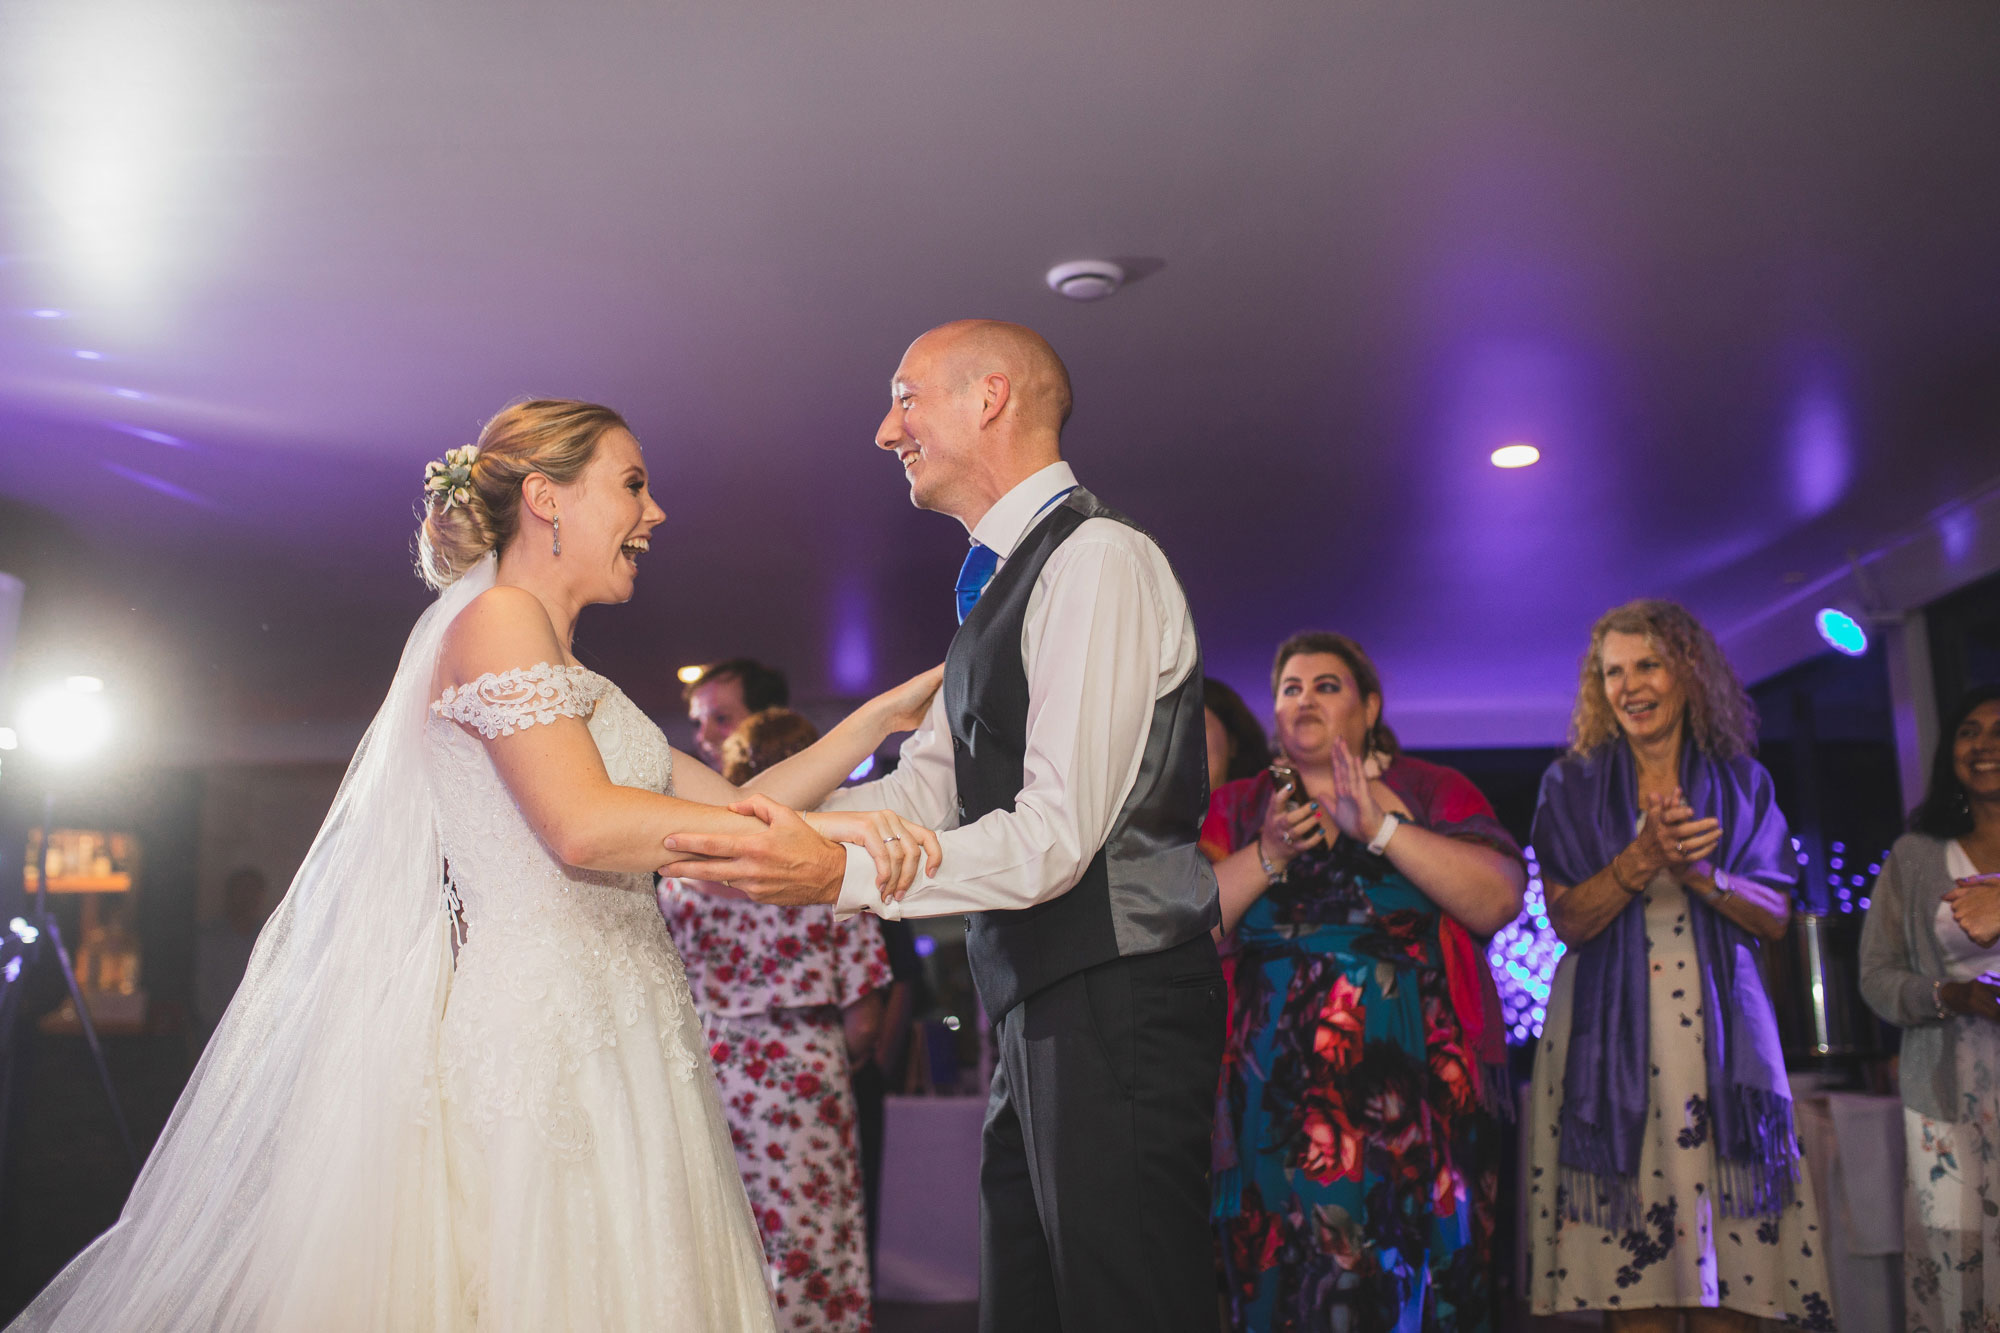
1930	965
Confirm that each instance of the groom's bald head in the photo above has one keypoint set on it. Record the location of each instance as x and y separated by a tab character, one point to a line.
976	407
971	349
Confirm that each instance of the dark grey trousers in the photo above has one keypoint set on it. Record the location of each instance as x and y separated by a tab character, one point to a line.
1094	1170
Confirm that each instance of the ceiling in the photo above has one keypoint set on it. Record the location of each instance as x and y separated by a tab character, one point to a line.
1735	269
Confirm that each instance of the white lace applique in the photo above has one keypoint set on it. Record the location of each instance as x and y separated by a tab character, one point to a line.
500	703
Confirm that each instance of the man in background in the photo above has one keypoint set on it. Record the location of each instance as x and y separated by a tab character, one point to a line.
727	692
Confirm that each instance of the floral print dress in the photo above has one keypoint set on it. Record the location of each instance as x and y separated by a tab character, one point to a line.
1951	1263
1688	1253
1357	1168
770	983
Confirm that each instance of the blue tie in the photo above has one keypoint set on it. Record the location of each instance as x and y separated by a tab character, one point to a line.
973	576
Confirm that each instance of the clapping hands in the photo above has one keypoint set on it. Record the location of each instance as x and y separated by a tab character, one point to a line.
1975	905
1675	840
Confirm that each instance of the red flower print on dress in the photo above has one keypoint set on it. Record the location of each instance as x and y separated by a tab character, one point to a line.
1332	1148
1337	1036
791	1116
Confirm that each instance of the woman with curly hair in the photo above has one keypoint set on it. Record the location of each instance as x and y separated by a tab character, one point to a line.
1664	1172
1355	1152
1930	964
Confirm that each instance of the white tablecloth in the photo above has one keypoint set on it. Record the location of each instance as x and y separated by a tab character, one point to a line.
1854	1150
929	1246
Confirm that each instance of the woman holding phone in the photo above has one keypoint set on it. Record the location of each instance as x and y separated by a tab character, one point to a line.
1356	1159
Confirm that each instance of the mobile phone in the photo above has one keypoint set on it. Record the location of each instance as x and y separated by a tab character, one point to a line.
1291	787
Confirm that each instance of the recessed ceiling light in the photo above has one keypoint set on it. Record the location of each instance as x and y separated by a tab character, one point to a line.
46	314
1086	279
90	356
1516	455
689	674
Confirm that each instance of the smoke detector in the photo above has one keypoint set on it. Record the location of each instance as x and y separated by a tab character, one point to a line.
1086	279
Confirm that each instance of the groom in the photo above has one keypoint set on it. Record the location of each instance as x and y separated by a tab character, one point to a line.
1066	757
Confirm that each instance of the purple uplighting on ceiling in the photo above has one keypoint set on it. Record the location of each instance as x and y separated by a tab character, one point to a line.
163	487
1752	322
853	650
156	436
1957	530
1819	448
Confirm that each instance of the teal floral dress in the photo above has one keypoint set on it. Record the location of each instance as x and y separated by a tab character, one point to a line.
1356	1160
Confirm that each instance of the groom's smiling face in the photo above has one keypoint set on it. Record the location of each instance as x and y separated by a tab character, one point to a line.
932	425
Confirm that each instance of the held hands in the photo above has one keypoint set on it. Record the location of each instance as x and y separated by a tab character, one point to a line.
1975	905
796	859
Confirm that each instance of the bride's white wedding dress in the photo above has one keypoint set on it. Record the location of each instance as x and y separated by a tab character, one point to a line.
384	1136
592	1181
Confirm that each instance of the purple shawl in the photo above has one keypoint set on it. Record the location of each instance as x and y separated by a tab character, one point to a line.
1583	818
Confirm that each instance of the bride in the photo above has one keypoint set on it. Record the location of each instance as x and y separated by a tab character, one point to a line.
462	1085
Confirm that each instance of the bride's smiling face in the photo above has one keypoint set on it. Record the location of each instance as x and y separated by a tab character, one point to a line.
608	517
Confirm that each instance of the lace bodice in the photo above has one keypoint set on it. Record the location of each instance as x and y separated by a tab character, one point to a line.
495	857
556	960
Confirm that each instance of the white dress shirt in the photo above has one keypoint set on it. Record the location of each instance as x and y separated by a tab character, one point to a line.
1107	634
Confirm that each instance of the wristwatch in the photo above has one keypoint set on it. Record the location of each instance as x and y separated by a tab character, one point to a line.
1380	842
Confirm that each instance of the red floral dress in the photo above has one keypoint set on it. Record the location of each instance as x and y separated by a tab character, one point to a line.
771	983
1356	1163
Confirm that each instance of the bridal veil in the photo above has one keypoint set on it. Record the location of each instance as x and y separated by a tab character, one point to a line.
300	1183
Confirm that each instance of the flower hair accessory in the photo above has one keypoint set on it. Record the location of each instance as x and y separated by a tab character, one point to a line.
450	478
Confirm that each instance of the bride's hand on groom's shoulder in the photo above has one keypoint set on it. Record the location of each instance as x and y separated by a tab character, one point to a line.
904	706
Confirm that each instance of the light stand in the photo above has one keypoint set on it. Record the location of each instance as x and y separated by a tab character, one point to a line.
66	723
44	922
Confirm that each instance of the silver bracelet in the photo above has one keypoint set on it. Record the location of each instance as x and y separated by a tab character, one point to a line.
1937	998
1271	873
1722	887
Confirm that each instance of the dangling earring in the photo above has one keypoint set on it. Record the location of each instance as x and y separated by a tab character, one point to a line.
556	523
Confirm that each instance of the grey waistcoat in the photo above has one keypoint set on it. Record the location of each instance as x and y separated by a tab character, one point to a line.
1148	887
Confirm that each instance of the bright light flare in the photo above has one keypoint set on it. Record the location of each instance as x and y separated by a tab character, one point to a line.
1842	632
67	722
689	674
115	117
1516	455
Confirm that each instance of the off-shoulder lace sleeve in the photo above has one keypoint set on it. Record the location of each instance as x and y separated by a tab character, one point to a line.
500	703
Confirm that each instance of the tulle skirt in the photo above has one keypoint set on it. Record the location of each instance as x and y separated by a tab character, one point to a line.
592	1182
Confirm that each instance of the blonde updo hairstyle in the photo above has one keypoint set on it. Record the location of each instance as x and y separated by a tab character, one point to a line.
1720	716
556	437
